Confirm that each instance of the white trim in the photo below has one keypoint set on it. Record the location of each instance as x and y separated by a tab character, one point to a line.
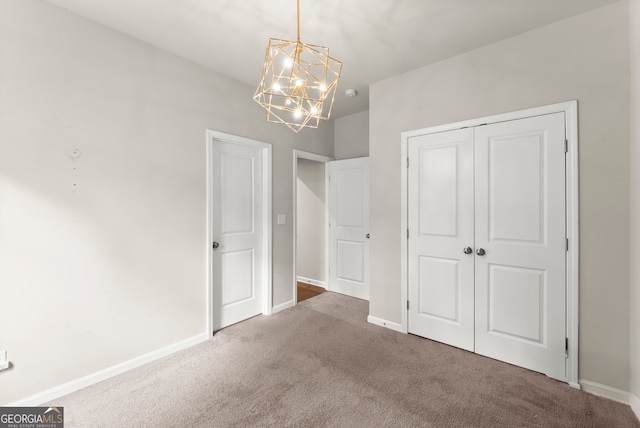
267	301
570	110
404	226
386	324
281	307
312	156
573	234
605	391
327	216
312	281
104	374
208	243
634	402
301	154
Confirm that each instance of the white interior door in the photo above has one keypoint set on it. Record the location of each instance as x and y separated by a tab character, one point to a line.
498	189
520	227
440	186
349	227
237	231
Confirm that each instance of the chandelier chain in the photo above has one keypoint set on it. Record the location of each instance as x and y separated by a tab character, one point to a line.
298	15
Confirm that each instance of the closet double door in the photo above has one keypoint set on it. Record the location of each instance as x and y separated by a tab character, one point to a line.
487	240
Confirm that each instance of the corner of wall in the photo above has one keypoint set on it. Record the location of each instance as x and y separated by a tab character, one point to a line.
634	291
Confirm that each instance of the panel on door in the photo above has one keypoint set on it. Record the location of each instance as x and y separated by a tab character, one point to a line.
440	186
349	227
520	232
237	232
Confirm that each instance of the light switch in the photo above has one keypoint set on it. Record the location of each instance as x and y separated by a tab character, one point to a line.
282	219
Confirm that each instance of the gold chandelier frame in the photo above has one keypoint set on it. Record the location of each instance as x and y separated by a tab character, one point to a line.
299	82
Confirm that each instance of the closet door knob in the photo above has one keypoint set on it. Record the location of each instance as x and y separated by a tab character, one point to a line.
480	252
467	250
215	245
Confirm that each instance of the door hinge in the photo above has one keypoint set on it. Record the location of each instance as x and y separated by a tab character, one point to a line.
407	233
566	146
407	305
566	346
407	162
567	245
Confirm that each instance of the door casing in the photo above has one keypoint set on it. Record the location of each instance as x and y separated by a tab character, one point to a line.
211	138
570	110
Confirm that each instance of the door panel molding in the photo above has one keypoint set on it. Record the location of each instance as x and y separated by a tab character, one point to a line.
570	110
266	193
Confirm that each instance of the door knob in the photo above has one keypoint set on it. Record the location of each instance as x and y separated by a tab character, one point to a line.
468	250
215	245
480	252
368	236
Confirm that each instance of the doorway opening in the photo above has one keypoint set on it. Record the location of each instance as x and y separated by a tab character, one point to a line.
310	250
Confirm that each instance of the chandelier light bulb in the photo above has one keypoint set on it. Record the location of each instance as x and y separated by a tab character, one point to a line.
288	63
314	110
276	87
298	112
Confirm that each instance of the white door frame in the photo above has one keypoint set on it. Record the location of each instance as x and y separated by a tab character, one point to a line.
570	110
267	258
300	154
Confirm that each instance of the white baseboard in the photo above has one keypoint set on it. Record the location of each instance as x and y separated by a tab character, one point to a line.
634	401
605	391
384	323
312	281
93	378
281	307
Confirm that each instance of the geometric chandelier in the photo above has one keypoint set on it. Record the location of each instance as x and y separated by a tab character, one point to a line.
298	82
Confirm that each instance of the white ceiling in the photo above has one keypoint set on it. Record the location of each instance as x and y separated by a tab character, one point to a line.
375	39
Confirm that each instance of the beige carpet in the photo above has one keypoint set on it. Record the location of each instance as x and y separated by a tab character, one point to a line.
320	364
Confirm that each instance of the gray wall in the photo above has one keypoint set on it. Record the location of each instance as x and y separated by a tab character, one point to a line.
352	136
634	28
311	220
584	58
103	258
